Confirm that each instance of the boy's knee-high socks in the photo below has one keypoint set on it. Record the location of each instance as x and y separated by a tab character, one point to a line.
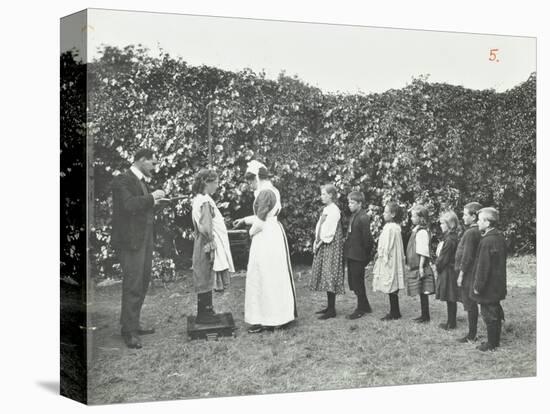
394	305
473	316
451	315
425	307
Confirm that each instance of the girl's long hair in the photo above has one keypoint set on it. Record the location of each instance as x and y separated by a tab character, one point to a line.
203	177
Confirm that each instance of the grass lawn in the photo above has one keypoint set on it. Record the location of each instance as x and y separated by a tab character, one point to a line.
312	355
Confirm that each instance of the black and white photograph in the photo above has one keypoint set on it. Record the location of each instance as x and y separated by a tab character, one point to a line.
253	206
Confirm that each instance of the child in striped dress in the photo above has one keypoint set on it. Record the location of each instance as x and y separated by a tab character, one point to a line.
327	273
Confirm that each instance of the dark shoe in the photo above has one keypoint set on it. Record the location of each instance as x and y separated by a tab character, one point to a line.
447	326
132	341
357	313
209	310
146	331
486	346
422	319
255	329
328	314
466	339
321	311
493	340
390	317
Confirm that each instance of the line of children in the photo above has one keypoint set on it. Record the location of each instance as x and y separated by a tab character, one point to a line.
471	270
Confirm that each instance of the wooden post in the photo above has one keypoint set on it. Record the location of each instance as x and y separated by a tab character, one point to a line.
90	204
209	110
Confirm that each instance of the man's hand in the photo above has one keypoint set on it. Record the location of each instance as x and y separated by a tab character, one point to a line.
238	223
158	194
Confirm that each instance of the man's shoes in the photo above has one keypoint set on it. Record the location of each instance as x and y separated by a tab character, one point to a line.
320	312
357	313
131	340
146	331
331	313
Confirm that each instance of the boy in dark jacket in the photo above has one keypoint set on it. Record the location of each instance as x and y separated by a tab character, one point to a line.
358	252
464	266
489	286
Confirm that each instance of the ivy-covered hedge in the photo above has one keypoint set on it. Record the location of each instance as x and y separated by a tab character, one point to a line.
428	142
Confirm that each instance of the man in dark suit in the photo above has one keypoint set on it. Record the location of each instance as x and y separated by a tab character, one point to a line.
358	249
132	237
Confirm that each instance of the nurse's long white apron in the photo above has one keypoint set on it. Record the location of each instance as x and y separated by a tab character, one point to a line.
270	294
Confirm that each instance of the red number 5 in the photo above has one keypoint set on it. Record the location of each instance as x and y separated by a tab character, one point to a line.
493	55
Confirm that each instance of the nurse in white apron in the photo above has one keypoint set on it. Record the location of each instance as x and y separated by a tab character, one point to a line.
270	299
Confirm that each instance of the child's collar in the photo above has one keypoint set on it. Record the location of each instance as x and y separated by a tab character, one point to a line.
488	230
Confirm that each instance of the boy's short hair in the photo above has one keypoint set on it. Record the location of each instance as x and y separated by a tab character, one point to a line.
450	218
473	208
357	196
422	213
491	214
